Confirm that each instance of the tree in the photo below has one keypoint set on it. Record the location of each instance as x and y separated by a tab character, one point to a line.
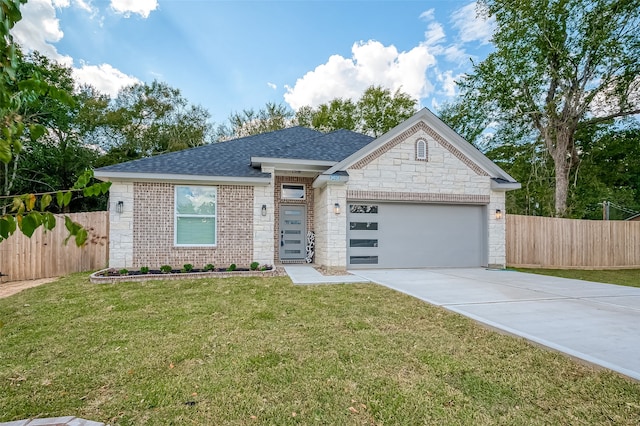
250	122
337	114
609	170
559	66
380	110
375	113
29	211
145	120
56	159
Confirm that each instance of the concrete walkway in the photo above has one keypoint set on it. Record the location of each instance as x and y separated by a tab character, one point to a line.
306	274
599	323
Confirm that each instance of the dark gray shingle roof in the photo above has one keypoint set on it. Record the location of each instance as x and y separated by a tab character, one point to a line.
232	158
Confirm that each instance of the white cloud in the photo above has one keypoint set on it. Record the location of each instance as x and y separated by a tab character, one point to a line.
141	7
105	78
434	34
416	72
447	80
371	63
472	25
428	15
272	85
86	6
39	28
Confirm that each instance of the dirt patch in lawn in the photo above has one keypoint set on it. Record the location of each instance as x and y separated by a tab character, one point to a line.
13	287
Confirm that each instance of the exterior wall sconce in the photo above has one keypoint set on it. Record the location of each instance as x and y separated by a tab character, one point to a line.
120	207
336	208
498	214
264	210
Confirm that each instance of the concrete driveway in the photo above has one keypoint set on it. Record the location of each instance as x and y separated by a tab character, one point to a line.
599	323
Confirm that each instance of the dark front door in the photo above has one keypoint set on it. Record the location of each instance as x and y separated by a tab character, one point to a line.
293	221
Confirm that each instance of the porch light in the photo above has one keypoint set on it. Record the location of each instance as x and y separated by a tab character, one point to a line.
120	207
498	214
336	208
264	210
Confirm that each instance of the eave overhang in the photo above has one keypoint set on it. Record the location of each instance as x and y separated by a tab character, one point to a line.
180	178
292	164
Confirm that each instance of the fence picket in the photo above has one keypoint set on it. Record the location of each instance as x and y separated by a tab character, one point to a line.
547	242
44	255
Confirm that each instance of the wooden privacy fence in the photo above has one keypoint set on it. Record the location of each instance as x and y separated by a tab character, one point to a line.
45	255
546	242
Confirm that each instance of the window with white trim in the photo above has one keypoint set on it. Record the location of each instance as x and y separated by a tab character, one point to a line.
421	150
291	191
195	216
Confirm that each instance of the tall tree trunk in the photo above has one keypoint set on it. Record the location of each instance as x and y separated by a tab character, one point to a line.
561	147
562	169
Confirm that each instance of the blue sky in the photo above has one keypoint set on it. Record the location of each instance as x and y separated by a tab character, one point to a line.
234	55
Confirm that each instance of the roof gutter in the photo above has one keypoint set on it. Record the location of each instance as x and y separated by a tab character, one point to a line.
175	178
504	186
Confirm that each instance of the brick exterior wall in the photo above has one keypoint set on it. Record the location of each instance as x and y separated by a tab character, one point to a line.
278	201
153	228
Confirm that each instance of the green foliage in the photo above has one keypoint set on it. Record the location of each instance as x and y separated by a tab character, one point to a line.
251	122
232	267
27	214
188	267
123	271
375	113
165	269
145	120
144	269
558	67
209	267
254	266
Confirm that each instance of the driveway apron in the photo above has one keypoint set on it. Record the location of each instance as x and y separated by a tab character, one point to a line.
599	323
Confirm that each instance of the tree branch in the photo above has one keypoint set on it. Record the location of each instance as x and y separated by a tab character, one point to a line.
597	120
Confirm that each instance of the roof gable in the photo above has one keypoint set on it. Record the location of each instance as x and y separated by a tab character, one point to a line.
426	121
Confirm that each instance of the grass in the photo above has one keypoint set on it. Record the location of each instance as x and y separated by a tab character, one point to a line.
628	277
260	351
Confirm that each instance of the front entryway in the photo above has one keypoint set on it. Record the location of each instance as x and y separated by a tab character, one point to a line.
293	229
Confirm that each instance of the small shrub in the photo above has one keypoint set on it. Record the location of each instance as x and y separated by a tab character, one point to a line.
187	267
209	267
165	269
144	270
254	266
232	267
123	271
263	268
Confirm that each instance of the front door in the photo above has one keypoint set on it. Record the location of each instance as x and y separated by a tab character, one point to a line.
293	224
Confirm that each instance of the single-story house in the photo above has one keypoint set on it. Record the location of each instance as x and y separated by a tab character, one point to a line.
417	196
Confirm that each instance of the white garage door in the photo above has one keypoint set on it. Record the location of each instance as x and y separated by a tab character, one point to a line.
398	235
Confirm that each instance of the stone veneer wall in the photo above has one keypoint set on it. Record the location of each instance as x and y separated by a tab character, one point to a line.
446	177
331	228
497	231
263	228
397	170
154	222
278	201
121	225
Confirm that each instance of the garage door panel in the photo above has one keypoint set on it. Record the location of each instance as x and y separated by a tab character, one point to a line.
416	235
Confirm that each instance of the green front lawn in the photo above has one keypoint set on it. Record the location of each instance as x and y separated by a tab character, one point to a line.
628	277
260	351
